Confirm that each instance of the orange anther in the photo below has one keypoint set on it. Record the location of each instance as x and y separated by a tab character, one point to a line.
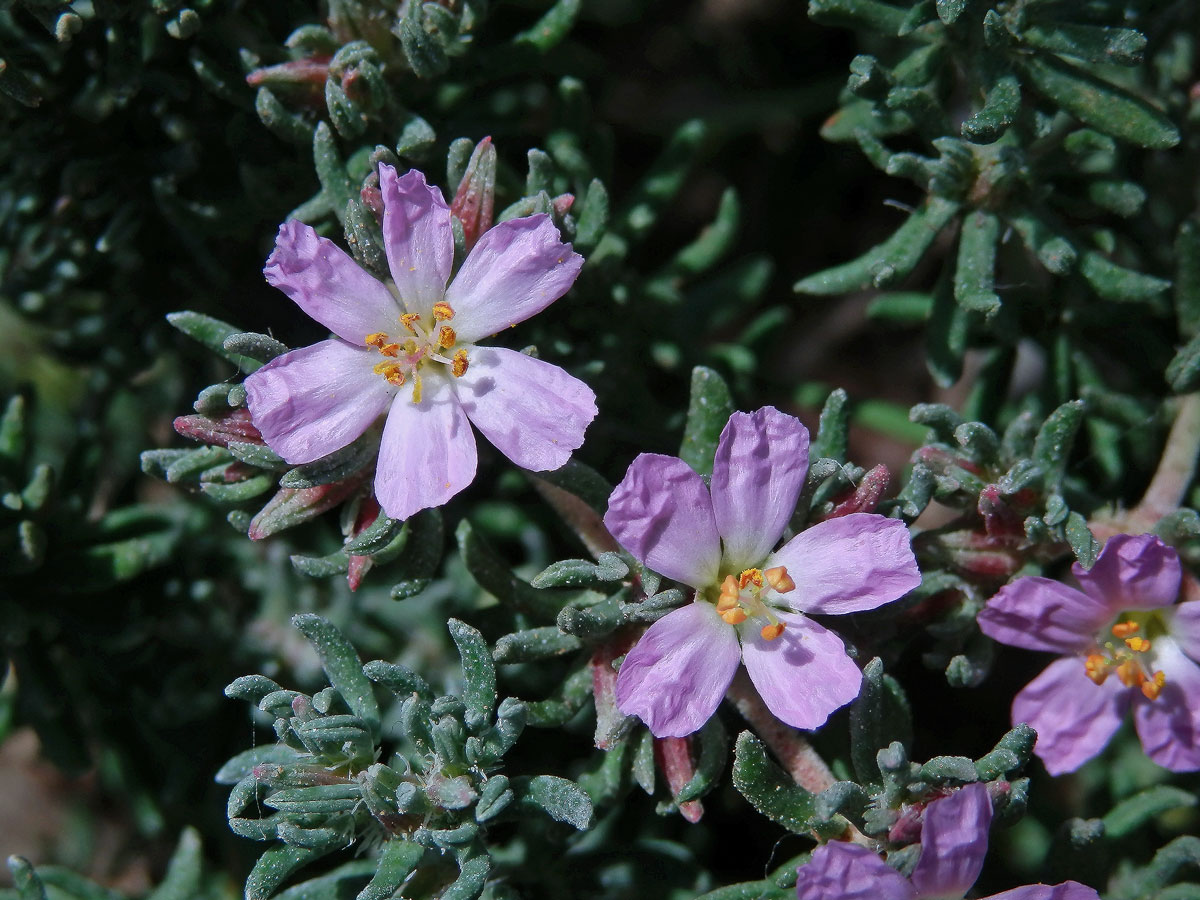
459	364
1125	629
751	576
390	371
726	602
442	311
1137	644
734	616
446	337
778	578
1096	667
376	339
408	320
1152	687
770	632
392	350
1130	674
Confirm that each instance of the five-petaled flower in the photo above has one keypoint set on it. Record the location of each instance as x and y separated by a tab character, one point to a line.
1124	641
954	839
408	348
719	541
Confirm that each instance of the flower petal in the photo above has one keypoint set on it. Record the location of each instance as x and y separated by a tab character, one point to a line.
1133	571
757	475
1170	725
1042	614
675	677
661	513
314	400
427	454
1074	717
804	674
848	564
954	841
517	269
1183	624
1068	890
841	871
533	411
325	282
417	238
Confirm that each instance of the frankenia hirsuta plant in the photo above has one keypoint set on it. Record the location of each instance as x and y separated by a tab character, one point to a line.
750	602
954	840
1124	642
407	348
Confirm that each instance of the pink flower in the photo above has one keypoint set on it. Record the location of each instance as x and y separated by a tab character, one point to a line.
1124	641
719	541
953	845
408	348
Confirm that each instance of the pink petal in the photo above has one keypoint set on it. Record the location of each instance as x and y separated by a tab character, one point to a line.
312	401
533	411
954	841
427	454
1042	614
675	677
661	513
841	871
517	269
325	282
1068	890
1074	717
1183	624
417	238
757	475
1169	726
849	564
1133	571
804	674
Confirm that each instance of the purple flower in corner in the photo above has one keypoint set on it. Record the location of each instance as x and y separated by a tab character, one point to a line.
750	602
954	838
1124	641
408	348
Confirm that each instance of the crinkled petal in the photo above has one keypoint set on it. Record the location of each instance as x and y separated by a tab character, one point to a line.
1068	890
1074	717
1133	571
675	676
848	564
314	400
661	513
1183	623
417	238
325	282
1042	614
954	841
841	871
533	411
804	674
757	475
1169	726
427	454
517	269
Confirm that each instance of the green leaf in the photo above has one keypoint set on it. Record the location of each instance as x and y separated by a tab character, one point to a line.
714	241
1113	282
342	665
768	788
946	336
1091	43
212	334
534	644
29	886
552	27
1052	447
492	574
1081	539
1053	250
664	179
241	765
879	716
399	857
1133	812
858	13
1183	372
275	866
400	680
336	184
479	674
1187	278
833	428
1104	106
974	276
471	879
375	537
592	220
714	751
949	10
564	800
1000	108
609	567
709	410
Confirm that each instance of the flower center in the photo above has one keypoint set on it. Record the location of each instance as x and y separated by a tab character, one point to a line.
404	357
1126	650
742	597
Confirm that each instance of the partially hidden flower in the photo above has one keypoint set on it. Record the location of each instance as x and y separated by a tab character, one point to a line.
750	602
407	348
1124	642
954	839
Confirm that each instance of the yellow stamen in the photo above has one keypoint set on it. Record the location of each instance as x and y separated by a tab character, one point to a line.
459	364
376	339
1125	629
751	576
390	371
1151	687
1137	644
408	320
770	632
1130	674
779	579
392	350
446	337
734	616
416	397
410	346
1097	668
442	311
